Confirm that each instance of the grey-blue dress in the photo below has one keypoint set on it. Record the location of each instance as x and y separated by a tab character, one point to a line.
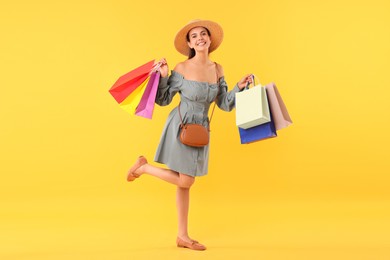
196	98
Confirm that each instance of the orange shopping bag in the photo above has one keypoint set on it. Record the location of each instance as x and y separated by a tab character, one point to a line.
127	83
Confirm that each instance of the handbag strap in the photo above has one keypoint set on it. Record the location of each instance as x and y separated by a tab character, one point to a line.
215	101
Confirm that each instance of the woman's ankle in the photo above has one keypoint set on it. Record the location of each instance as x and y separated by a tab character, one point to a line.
140	170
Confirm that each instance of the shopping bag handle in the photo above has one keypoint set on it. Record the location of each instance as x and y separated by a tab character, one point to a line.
156	67
253	81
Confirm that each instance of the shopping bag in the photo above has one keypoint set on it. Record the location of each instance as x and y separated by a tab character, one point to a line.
278	109
252	107
258	133
131	102
146	105
127	83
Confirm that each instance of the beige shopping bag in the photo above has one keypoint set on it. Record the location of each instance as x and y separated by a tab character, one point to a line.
252	107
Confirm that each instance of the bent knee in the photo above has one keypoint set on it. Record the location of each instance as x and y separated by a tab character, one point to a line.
186	181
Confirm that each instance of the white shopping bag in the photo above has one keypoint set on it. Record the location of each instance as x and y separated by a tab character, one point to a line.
252	107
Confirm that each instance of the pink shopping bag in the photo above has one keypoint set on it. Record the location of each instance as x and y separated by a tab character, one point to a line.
146	105
278	109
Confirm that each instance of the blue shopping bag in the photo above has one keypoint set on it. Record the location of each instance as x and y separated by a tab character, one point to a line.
257	133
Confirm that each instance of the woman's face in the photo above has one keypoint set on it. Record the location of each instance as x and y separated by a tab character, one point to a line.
199	39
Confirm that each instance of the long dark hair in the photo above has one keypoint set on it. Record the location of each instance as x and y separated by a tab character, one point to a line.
192	51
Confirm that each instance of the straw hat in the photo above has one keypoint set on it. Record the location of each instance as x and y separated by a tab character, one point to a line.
215	30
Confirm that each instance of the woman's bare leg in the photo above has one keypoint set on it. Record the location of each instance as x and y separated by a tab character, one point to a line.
173	177
183	183
161	173
182	203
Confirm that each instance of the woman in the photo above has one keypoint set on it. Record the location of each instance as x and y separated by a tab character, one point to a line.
199	81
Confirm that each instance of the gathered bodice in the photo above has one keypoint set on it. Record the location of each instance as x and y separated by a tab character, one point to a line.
195	96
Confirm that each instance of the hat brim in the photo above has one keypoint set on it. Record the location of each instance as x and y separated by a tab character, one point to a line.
216	35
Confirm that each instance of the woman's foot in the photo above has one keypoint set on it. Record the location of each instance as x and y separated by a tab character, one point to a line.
135	171
190	244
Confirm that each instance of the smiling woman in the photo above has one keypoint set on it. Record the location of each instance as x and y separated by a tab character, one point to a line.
192	39
320	191
205	27
199	81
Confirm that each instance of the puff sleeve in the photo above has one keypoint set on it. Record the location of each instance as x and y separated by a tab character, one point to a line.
167	88
226	99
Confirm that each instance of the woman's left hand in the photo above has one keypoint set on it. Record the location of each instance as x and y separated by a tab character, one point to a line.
163	67
244	81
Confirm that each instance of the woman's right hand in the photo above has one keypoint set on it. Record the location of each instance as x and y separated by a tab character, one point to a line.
248	78
164	69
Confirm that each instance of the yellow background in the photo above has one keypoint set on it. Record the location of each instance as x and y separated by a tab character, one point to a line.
319	190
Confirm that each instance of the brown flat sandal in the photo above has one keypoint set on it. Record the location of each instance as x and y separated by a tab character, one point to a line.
131	176
194	245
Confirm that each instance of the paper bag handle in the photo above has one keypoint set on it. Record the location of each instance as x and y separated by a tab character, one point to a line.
156	67
253	81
